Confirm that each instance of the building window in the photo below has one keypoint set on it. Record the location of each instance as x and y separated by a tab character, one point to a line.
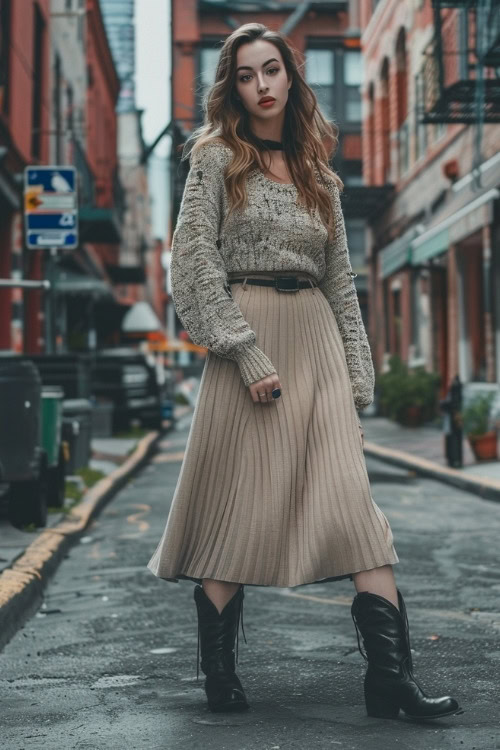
320	76
4	54
57	109
353	78
340	103
36	117
370	134
208	59
404	148
385	123
69	108
440	130
420	127
355	232
401	103
352	172
463	37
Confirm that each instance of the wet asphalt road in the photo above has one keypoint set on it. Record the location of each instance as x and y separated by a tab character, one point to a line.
110	660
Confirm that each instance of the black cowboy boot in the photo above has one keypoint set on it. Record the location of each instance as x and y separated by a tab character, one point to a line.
389	681
217	633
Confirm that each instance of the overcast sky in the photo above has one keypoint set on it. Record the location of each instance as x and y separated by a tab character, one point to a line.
152	23
153	66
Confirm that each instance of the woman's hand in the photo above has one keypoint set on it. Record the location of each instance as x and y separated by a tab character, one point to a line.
261	390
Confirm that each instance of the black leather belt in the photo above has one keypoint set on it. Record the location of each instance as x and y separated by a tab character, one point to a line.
282	283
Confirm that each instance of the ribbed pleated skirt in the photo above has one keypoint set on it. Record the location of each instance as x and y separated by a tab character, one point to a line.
276	494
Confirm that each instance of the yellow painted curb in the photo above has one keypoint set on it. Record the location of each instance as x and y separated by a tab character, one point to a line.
22	584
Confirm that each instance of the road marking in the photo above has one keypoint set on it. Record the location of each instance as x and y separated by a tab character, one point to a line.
135	518
164	458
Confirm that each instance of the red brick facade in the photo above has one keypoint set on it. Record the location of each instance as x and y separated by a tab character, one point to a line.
24	124
435	308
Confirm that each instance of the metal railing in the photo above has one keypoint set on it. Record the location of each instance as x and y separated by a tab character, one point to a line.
458	82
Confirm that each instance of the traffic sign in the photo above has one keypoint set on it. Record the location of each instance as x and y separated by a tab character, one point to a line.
51	207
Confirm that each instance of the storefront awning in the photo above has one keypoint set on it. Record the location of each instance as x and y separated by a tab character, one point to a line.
454	228
397	253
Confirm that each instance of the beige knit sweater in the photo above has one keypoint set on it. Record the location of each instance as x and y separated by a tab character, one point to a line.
274	233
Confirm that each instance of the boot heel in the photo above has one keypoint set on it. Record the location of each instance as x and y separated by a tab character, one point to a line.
380	707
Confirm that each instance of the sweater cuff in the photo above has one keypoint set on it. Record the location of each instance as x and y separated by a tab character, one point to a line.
254	365
363	394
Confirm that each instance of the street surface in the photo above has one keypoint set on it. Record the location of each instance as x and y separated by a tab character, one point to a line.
110	660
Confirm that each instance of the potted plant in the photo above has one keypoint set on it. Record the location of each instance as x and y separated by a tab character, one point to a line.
476	422
408	396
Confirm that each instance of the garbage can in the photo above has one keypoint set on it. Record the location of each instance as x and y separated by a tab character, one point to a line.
22	458
52	413
77	431
19	420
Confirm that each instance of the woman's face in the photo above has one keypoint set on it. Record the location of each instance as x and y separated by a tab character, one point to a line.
260	73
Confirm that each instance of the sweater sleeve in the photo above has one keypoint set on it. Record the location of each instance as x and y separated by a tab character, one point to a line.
338	287
201	295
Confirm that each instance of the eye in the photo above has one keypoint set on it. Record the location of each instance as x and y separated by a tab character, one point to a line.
247	75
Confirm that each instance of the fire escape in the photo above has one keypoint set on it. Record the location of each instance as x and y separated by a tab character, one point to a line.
459	81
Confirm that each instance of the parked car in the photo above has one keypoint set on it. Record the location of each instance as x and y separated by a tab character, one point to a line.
126	377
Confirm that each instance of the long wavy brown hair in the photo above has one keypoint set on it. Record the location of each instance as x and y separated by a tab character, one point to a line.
309	139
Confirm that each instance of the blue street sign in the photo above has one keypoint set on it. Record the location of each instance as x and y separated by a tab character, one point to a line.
53	179
51	221
51	207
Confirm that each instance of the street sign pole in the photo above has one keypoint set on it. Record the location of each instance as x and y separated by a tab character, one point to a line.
51	223
50	302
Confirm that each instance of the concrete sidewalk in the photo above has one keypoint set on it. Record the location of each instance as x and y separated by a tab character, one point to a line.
28	559
107	454
423	450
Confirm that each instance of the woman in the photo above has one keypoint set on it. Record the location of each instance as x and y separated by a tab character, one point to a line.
273	489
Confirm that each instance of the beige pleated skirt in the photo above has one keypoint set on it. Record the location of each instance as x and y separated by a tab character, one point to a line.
276	494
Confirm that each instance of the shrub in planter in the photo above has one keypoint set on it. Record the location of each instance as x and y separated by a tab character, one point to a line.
408	396
476	424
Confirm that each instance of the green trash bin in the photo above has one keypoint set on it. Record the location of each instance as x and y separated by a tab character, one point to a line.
52	415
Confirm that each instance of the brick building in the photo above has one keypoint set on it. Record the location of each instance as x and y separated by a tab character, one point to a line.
326	35
24	125
58	93
434	250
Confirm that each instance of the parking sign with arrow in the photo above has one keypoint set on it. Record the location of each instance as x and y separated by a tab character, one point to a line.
51	207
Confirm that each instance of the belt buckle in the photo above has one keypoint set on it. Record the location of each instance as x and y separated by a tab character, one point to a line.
287	284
